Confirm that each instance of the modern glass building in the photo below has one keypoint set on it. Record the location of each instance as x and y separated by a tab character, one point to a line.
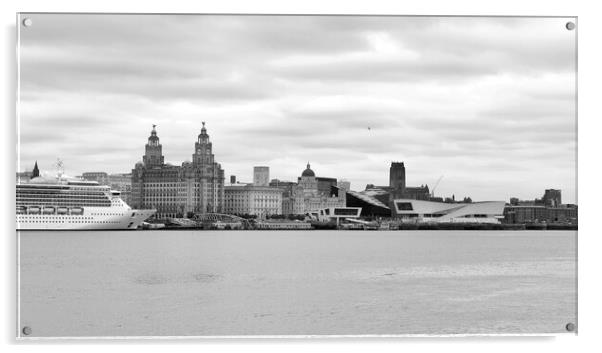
418	211
370	205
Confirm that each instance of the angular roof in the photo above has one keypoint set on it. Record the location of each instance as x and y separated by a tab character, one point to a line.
368	198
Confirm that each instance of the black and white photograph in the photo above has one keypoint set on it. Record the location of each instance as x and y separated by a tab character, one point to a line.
246	175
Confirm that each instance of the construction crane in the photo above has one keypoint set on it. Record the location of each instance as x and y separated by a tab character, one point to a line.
434	187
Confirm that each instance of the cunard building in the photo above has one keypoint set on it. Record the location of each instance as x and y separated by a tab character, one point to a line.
178	191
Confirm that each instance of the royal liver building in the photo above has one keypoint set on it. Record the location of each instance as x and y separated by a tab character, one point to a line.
178	191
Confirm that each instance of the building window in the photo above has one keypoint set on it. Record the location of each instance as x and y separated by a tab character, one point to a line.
404	206
345	212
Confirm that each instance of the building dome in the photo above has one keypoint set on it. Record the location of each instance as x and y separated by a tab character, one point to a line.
308	172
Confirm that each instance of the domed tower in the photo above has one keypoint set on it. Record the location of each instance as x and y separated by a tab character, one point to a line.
153	154
308	182
308	172
203	148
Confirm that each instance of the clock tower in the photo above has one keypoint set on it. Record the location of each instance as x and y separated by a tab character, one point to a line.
202	149
153	151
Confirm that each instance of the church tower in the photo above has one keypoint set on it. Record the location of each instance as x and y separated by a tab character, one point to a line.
397	176
36	172
153	154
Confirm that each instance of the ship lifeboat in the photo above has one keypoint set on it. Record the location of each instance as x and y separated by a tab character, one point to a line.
33	210
21	210
78	211
48	210
62	210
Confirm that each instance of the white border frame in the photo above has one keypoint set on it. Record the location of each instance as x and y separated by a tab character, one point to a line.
589	142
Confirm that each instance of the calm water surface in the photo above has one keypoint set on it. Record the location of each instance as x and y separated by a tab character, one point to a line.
296	283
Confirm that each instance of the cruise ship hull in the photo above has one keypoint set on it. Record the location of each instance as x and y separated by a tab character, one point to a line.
91	219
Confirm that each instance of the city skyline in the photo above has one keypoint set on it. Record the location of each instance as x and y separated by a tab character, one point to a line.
492	110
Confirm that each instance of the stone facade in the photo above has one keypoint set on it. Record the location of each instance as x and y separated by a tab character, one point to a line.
119	182
122	183
261	176
101	177
344	185
24	177
307	196
252	200
176	191
552	198
541	214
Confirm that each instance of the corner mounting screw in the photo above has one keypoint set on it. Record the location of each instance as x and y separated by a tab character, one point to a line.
27	22
570	26
26	330
570	327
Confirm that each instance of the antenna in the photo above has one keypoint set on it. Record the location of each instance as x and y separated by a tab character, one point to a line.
60	168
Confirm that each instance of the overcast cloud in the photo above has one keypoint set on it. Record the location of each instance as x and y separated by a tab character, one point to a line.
487	102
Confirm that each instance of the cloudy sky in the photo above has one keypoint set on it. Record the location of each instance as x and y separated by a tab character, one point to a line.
489	103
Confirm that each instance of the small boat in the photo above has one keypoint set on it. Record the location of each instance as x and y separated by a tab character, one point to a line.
48	210
146	225
78	211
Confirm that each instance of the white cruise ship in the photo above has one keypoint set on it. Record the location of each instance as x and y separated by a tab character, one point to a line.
57	204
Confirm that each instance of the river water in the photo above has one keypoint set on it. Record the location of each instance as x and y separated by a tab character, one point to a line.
180	283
